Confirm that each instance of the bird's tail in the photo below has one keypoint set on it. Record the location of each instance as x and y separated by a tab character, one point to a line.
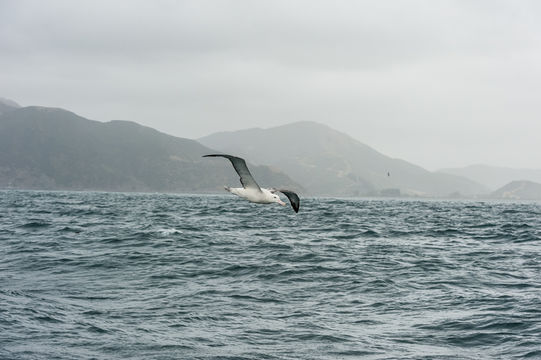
227	188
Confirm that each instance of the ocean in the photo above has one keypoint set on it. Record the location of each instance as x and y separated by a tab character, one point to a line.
93	275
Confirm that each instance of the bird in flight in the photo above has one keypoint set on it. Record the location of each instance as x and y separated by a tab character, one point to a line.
251	191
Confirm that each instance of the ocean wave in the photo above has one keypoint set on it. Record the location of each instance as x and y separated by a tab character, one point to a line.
100	275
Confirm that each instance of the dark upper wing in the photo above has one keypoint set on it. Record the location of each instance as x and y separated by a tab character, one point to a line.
239	164
293	199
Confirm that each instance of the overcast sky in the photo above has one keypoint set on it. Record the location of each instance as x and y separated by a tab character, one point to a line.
437	83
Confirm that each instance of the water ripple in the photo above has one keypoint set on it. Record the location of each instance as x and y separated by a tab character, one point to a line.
158	276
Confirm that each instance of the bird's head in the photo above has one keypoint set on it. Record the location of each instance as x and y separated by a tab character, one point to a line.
277	199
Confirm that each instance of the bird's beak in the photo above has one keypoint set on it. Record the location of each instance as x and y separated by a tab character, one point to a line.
282	203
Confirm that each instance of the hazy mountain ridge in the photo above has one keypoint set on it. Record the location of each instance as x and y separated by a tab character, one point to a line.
49	148
328	162
494	177
7	105
519	190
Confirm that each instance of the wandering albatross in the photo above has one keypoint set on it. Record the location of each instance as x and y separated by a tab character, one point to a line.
251	191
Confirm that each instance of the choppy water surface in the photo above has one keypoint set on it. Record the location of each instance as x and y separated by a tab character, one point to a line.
152	276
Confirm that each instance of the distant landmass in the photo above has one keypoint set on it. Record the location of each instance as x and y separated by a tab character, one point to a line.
519	190
7	105
328	162
494	177
49	148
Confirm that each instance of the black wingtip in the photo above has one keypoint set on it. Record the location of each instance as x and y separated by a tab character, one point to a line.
219	155
293	199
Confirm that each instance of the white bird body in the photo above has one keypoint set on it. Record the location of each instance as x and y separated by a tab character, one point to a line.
265	196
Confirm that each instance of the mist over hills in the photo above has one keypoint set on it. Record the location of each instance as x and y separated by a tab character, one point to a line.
7	105
49	148
494	177
518	190
328	162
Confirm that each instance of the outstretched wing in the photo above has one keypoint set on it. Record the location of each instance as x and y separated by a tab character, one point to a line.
239	164
293	199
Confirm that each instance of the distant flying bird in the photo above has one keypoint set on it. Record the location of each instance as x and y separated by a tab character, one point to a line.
251	191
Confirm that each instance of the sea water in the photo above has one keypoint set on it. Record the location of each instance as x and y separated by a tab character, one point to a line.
89	275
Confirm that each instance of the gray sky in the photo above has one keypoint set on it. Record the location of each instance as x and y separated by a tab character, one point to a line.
437	83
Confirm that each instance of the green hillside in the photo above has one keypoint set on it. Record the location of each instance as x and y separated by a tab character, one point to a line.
48	148
328	162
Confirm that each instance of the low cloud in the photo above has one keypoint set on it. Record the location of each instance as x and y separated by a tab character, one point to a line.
443	83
